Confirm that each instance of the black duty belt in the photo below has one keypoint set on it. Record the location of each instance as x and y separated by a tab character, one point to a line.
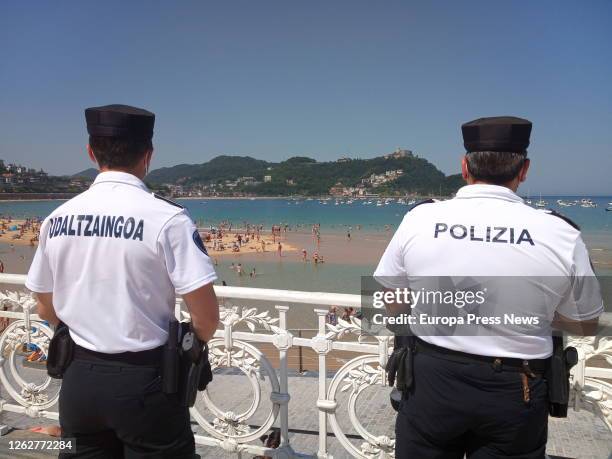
151	357
535	366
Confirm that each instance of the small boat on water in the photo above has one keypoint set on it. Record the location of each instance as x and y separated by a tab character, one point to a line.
588	203
541	203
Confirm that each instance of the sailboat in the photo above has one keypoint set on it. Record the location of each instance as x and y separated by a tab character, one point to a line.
540	202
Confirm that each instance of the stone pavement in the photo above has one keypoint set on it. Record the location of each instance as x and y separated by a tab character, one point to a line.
581	435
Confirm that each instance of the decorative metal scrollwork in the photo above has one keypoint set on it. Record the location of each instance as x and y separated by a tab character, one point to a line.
593	393
235	348
353	378
254	365
12	340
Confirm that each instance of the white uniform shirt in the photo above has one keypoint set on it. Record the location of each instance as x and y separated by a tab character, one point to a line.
113	257
450	238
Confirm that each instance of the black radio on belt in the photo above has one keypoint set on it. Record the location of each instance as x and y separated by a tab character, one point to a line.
185	367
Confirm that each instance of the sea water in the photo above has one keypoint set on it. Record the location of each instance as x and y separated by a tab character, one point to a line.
331	217
292	274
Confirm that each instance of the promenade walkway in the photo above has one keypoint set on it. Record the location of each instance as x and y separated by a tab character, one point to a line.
581	435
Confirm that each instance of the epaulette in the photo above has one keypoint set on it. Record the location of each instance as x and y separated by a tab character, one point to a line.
169	201
427	201
563	217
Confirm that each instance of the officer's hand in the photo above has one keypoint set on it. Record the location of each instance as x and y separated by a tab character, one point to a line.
45	309
204	310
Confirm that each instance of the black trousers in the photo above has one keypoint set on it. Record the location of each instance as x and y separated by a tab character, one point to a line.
116	410
457	409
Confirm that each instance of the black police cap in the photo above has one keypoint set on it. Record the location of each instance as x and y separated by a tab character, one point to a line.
497	133
120	121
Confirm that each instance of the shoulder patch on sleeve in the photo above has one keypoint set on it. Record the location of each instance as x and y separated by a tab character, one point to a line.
169	201
563	217
198	242
427	201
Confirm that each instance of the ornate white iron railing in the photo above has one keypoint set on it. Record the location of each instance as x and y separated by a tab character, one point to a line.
235	347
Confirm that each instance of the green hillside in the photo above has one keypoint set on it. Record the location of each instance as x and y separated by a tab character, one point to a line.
306	176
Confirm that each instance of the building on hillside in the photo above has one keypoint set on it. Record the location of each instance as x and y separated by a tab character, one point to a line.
267	178
399	153
337	189
249	181
375	180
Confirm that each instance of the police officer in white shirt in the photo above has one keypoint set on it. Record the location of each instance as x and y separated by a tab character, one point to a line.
108	265
486	396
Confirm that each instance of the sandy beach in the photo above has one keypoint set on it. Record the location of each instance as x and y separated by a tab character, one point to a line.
345	261
19	232
237	242
362	248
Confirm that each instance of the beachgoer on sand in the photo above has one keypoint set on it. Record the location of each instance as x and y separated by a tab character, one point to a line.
332	316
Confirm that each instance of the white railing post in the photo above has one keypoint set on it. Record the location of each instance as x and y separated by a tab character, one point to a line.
283	344
28	326
322	346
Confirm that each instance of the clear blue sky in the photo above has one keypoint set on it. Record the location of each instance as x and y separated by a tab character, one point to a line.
274	79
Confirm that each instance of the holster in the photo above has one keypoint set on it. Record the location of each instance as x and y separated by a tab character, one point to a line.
170	360
185	368
557	377
61	352
400	367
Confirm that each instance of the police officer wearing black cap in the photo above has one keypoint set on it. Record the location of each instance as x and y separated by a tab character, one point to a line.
486	394
108	266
